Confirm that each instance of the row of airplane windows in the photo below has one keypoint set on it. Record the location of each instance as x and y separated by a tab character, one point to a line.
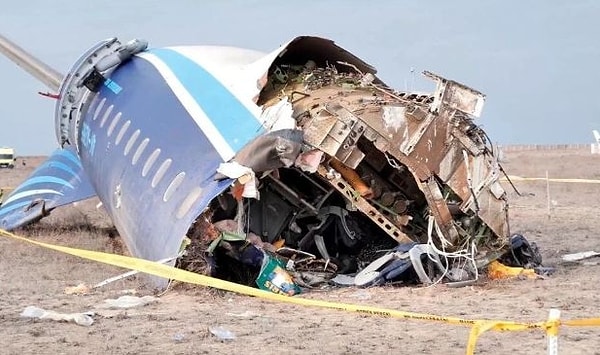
188	202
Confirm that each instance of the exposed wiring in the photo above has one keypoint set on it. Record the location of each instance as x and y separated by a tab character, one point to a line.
469	256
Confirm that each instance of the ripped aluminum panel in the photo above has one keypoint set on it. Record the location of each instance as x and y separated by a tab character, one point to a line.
456	96
431	139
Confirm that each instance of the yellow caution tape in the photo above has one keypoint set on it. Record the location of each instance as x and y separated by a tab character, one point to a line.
478	327
170	272
552	328
586	322
173	273
476	330
519	178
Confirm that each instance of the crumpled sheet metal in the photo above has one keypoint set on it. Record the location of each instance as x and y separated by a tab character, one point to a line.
432	135
454	149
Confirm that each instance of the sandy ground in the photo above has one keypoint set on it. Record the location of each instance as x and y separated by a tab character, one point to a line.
179	322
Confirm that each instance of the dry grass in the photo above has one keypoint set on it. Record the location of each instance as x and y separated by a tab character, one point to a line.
179	322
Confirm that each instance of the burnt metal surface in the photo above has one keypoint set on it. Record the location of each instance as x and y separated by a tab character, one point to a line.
421	153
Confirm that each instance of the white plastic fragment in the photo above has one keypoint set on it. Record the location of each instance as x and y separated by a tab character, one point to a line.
178	337
124	275
244	174
222	333
127	301
278	116
580	256
343	280
84	319
245	314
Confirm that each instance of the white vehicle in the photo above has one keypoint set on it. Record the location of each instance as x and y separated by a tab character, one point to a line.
7	158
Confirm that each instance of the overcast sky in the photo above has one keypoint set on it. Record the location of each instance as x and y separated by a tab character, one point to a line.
535	60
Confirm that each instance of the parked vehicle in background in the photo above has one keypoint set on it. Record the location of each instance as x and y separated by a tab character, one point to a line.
7	158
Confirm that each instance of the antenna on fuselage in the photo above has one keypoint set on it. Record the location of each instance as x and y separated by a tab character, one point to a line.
31	64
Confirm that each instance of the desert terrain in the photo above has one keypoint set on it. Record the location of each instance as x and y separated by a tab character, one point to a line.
179	322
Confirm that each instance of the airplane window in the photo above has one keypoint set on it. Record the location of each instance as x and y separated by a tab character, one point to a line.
122	132
177	180
113	124
139	151
150	162
106	114
99	108
131	141
161	172
189	201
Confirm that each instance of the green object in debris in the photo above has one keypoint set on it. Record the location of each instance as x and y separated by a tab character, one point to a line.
226	236
273	277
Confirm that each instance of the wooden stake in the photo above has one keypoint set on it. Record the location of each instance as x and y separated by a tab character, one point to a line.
548	193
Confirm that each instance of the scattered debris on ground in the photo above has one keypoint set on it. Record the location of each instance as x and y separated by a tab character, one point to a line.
127	301
85	319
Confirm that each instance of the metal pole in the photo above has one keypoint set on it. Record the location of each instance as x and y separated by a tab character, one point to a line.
548	193
552	331
31	64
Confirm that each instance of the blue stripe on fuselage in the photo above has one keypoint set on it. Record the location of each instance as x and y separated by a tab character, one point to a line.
14	206
46	180
71	156
146	222
233	120
62	166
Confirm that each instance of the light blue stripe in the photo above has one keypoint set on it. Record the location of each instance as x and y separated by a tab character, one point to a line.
71	156
5	210
62	166
23	194
234	121
45	179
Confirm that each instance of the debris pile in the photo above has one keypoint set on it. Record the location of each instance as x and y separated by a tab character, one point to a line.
354	178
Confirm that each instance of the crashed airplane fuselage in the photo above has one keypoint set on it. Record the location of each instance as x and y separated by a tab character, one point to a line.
303	152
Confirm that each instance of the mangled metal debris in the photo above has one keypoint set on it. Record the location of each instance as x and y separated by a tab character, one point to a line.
359	179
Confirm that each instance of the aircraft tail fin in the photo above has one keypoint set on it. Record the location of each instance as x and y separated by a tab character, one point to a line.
60	180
